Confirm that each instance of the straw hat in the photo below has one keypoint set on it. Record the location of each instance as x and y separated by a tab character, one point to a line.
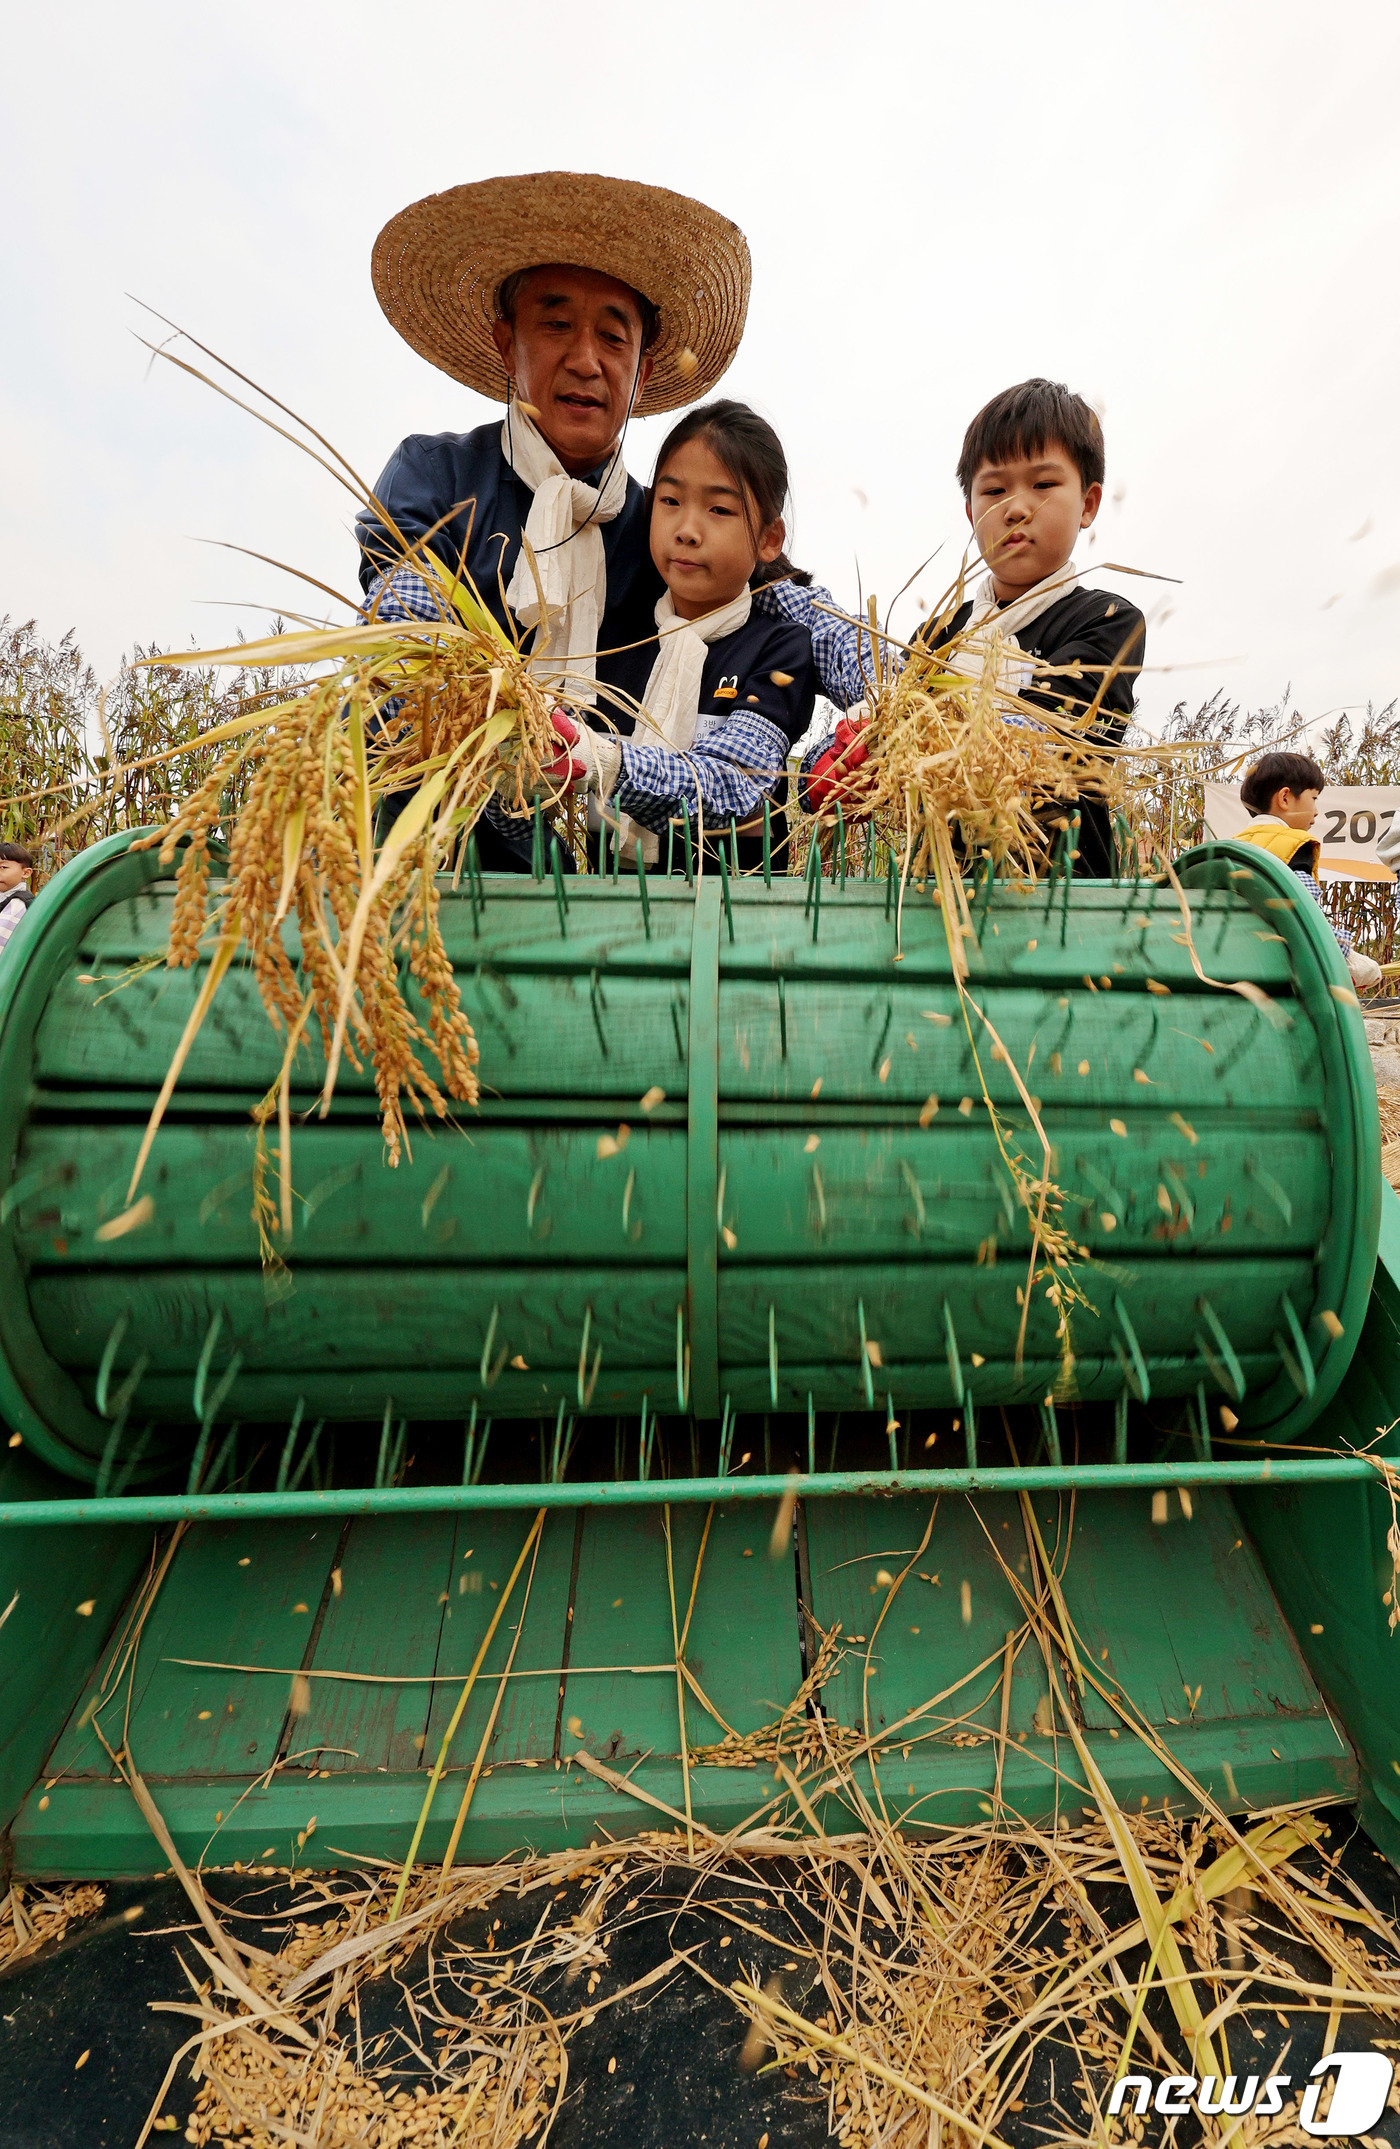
438	265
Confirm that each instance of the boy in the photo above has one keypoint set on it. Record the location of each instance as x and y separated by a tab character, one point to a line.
1031	472
16	865
1281	791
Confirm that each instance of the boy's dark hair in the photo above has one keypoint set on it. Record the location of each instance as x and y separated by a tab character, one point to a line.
508	296
753	455
1273	773
1025	421
15	854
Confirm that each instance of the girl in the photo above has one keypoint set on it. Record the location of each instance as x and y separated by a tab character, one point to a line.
726	691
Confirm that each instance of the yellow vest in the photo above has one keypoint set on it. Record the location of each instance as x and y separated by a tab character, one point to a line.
1283	841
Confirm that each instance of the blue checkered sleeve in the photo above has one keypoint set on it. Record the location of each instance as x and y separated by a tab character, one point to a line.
841	651
403	594
728	771
1343	937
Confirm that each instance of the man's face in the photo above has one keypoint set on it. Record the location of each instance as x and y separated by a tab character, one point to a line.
575	349
1026	514
12	875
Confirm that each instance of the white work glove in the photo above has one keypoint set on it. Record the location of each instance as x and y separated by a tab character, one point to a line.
1365	975
1389	846
596	756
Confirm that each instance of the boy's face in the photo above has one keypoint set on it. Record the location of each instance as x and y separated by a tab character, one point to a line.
1027	514
1297	808
12	873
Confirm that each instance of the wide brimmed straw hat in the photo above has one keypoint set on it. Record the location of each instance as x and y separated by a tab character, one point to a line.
438	265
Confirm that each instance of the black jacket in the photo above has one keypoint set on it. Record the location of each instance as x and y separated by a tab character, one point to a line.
1093	627
1105	634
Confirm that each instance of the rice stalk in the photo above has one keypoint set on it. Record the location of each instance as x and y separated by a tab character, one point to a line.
968	778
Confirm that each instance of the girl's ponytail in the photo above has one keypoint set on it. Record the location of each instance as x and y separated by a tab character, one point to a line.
753	455
779	570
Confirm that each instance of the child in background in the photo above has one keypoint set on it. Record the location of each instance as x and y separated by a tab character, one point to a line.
1031	472
16	865
727	691
1281	791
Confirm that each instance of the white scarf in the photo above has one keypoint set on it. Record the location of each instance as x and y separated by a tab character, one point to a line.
563	530
671	700
1002	624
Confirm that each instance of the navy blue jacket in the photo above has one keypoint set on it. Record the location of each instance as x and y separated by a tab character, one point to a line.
431	472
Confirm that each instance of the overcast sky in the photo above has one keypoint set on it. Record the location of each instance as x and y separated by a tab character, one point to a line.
1187	212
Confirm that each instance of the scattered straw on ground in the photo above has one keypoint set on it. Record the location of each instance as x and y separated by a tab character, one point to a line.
31	1916
922	1974
1388	1099
922	1979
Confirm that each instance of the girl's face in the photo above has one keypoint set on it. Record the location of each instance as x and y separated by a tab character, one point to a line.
702	532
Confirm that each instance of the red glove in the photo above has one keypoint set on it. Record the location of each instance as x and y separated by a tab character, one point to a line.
836	774
567	767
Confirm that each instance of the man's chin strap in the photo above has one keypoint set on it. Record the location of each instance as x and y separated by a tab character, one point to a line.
564	533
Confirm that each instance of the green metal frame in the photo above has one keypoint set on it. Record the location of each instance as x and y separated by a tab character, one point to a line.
47	1406
702	1156
1346	1262
37	1398
681	1491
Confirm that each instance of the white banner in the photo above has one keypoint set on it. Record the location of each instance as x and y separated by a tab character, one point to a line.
1351	819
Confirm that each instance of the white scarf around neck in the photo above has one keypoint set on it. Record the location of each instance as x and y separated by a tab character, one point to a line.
564	532
671	698
1003	623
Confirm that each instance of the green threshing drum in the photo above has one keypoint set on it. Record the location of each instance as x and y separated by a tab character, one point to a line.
790	1222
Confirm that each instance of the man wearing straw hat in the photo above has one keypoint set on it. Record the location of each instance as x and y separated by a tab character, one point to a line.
578	302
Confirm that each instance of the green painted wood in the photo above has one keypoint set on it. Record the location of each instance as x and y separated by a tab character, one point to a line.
858	1194
92	1830
1184	1611
215	1607
518	1194
743	1642
702	1159
924	1643
1156	1607
538	1036
1139	931
1328	1560
485	1195
344	1318
49	1647
395	1574
877	1045
817	1309
1110	932
486	1551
